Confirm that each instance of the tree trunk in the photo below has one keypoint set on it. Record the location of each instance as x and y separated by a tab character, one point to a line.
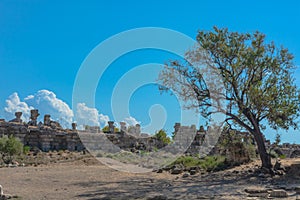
264	156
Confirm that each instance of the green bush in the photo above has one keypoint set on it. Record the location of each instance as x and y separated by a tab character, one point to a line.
26	149
9	148
162	136
251	149
208	163
213	163
282	156
188	161
106	129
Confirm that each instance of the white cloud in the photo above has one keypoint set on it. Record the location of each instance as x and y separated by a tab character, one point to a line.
14	104
90	116
86	115
47	103
131	121
103	120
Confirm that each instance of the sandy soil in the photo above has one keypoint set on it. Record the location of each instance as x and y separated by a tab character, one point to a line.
87	179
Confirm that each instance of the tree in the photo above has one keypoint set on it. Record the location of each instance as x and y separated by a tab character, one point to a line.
162	136
10	147
257	76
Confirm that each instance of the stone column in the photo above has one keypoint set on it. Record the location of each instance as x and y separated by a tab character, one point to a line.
18	117
33	116
111	126
176	127
74	126
47	121
138	129
123	126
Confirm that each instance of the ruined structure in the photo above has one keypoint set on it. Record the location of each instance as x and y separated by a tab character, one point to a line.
135	130
45	136
18	118
33	117
49	135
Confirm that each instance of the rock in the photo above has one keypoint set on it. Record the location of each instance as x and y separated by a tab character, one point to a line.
193	172
185	175
261	175
297	190
263	195
278	193
176	170
279	172
4	196
255	190
278	166
157	197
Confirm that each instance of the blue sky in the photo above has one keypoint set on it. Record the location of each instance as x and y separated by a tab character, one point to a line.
43	43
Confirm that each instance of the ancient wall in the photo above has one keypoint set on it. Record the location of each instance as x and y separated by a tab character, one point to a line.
51	136
45	136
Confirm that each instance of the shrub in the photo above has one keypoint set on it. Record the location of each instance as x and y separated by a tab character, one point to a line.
106	129
213	163
282	156
9	148
26	149
162	136
208	163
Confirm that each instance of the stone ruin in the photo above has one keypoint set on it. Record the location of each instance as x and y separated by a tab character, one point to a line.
50	135
234	153
46	136
33	117
18	117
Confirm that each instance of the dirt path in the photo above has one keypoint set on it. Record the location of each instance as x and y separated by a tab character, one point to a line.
77	180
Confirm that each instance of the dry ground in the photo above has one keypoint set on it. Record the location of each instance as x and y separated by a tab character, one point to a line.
88	179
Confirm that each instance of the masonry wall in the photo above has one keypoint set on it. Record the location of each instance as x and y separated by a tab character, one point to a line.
43	137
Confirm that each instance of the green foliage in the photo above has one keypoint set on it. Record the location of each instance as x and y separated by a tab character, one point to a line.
162	136
106	129
26	149
251	149
9	148
234	143
212	163
282	156
257	76
208	163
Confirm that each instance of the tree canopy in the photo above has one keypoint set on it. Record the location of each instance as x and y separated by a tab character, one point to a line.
257	76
